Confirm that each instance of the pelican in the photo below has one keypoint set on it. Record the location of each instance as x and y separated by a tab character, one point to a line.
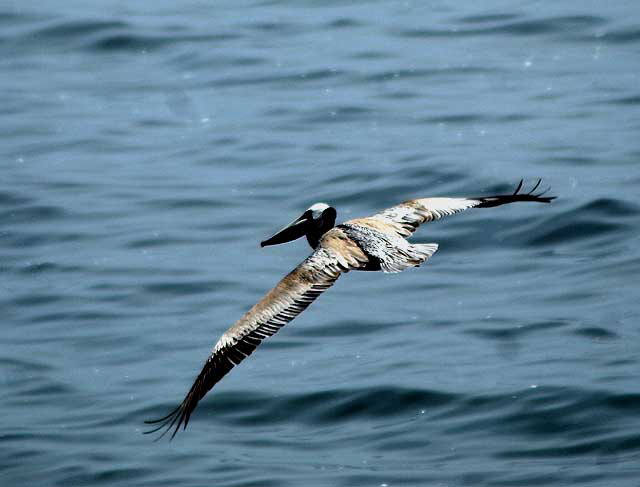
373	243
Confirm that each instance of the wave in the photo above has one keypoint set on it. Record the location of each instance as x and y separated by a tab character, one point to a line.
533	410
506	26
589	223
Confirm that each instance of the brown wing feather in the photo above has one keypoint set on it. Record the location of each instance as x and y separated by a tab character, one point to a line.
292	295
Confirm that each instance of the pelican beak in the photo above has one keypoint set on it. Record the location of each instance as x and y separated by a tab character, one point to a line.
296	229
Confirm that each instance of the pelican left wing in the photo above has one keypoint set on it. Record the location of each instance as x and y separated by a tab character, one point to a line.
405	218
292	295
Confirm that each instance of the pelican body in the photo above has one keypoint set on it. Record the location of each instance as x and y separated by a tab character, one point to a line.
375	243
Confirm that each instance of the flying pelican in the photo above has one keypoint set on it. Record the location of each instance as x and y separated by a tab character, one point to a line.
365	244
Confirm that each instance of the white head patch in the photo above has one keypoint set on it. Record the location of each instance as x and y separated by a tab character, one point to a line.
317	209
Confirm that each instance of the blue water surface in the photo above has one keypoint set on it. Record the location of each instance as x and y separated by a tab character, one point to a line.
148	147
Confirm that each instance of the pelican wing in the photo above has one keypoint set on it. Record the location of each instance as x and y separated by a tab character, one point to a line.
406	217
292	295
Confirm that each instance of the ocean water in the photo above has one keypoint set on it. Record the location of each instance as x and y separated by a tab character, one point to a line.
148	147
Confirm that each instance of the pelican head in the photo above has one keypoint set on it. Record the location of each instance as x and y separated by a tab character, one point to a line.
314	223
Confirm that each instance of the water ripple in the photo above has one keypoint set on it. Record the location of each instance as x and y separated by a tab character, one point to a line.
550	25
593	220
621	36
77	28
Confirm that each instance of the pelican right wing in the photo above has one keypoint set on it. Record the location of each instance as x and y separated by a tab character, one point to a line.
406	217
292	295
